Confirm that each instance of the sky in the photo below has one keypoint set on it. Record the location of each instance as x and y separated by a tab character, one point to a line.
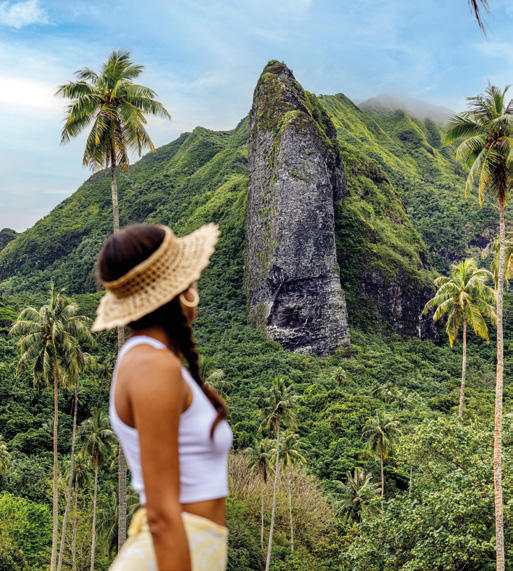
204	57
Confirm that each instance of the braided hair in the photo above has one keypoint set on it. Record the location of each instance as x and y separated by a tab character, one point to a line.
125	250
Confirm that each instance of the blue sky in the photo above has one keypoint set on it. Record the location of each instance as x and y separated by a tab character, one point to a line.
204	57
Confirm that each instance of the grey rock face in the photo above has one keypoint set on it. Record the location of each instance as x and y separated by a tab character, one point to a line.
401	304
295	176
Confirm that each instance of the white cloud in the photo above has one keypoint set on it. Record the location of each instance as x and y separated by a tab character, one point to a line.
22	14
497	50
29	93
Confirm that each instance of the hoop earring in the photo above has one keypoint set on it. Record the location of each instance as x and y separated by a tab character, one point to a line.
188	303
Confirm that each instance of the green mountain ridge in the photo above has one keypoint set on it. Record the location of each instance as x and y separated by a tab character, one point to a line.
404	210
403	214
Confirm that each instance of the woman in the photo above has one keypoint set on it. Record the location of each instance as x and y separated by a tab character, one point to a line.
171	427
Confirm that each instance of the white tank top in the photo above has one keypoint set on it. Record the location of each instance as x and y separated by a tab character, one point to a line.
203	461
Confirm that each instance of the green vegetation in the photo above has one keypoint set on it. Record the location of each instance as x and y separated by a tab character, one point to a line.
465	299
485	132
445	520
404	213
49	346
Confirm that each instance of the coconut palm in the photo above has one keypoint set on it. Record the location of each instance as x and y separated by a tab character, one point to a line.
259	462
291	453
278	407
104	367
465	299
355	493
49	347
212	377
388	392
114	108
485	132
380	432
86	361
98	439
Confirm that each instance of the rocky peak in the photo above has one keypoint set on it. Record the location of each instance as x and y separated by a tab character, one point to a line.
295	177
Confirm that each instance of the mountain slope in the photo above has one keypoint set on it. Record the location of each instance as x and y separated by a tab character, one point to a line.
403	213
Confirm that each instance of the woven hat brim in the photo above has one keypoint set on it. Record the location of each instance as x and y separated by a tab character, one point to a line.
193	256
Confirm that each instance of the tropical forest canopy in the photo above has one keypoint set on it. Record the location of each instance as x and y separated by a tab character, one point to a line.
405	211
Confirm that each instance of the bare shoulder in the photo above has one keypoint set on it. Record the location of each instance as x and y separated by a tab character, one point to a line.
145	369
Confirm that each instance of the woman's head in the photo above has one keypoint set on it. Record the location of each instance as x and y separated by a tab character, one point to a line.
128	248
145	266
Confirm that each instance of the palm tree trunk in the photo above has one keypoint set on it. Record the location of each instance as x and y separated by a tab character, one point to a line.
74	540
497	440
262	514
382	485
55	531
121	342
70	485
121	499
463	367
114	190
269	547
290	511
93	543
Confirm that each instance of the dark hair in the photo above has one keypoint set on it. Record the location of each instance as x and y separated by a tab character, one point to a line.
128	248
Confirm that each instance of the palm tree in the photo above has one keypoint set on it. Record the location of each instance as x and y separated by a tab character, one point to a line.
260	463
213	378
84	361
486	130
466	299
380	432
278	407
104	367
388	392
98	439
115	108
356	492
5	459
292	456
49	346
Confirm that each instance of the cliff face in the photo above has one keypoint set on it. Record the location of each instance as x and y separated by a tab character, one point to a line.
295	177
400	303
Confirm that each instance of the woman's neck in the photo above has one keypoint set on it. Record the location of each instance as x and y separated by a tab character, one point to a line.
159	333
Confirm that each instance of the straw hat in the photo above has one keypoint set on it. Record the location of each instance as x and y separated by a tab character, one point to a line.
170	270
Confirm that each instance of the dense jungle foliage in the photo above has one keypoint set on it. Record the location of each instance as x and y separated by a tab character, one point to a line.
404	211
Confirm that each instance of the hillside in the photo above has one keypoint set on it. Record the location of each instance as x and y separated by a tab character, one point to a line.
402	217
423	173
392	162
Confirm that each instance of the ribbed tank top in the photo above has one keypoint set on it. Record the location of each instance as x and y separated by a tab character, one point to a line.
203	461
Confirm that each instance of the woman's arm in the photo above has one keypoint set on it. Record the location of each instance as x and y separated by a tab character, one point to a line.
157	395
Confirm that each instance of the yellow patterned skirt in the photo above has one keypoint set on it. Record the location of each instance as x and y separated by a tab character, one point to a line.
207	545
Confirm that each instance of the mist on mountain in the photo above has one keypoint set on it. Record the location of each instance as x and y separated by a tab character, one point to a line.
416	107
